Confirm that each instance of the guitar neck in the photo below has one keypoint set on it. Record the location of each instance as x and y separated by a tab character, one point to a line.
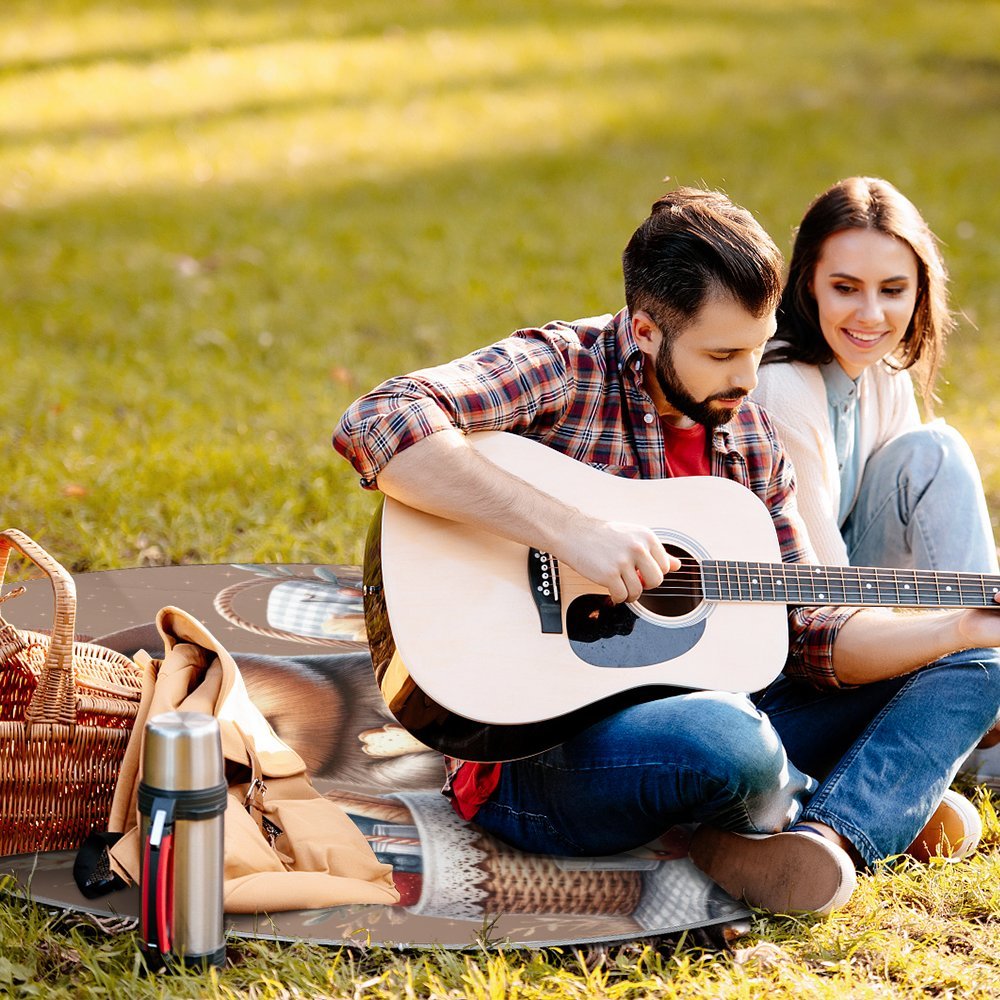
801	583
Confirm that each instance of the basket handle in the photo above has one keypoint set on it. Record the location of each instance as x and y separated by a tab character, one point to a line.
54	700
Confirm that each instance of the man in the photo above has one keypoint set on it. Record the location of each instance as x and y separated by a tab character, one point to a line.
660	390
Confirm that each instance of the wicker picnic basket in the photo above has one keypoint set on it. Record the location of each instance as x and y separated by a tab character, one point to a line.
66	711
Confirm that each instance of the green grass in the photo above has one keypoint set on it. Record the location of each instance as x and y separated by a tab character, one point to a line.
221	221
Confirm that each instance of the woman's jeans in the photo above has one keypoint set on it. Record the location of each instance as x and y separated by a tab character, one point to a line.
921	506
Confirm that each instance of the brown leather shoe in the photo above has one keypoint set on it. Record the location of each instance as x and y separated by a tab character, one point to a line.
953	832
789	872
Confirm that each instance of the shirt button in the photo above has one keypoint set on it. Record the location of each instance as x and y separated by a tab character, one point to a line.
648	418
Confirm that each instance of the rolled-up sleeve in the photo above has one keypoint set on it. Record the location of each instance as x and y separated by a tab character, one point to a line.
812	632
515	384
382	423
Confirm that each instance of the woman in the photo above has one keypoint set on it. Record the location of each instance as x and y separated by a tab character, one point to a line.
865	304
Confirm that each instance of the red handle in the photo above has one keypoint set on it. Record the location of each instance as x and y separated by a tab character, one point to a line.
165	894
156	913
146	891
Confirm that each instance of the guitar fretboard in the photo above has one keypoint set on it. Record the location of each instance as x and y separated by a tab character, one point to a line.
791	583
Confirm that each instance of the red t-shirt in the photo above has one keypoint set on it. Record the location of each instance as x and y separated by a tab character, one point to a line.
686	455
686	450
472	786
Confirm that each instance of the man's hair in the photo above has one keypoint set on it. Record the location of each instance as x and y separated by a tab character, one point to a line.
874	204
693	245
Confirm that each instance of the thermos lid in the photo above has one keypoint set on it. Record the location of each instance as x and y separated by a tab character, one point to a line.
182	752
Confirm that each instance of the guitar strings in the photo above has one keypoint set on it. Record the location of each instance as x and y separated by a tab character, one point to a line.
737	577
690	581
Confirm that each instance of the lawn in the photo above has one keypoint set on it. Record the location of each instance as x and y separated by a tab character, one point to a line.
221	221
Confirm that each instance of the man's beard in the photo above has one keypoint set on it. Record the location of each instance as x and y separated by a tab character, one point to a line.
680	399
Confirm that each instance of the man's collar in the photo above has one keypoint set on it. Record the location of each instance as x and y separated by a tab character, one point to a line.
722	439
628	349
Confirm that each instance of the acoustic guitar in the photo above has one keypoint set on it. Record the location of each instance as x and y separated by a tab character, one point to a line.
489	650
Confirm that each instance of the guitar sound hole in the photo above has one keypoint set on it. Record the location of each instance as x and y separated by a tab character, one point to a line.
680	593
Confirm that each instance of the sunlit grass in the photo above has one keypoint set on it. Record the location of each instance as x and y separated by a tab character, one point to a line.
220	224
364	106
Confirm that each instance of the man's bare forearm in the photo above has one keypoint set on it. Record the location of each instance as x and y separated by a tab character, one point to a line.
444	475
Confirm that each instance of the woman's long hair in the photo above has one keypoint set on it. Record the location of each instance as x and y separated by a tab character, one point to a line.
866	203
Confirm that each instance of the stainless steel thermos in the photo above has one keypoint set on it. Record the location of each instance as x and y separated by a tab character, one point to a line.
182	800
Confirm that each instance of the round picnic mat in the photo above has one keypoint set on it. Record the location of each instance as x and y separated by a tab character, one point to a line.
458	886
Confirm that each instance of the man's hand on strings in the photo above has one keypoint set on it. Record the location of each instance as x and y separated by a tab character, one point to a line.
624	558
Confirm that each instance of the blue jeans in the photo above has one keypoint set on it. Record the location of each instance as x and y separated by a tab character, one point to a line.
695	757
885	752
921	506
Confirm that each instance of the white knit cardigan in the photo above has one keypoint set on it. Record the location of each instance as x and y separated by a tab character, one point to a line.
794	395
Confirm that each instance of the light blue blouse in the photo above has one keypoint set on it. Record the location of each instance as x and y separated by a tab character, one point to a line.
842	402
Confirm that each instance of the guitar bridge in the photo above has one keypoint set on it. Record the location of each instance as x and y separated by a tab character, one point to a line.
543	578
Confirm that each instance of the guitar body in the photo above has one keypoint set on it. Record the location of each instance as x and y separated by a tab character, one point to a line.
475	663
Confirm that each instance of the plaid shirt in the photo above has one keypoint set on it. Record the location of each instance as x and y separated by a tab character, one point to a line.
577	387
